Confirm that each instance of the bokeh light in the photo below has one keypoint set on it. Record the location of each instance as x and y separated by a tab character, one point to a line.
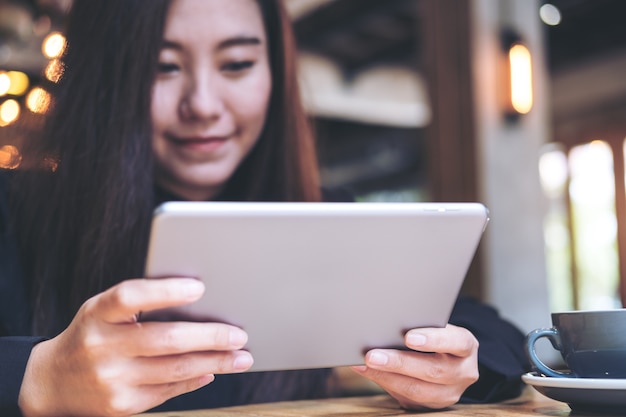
5	83
53	45
54	70
18	83
550	14
38	100
9	112
10	157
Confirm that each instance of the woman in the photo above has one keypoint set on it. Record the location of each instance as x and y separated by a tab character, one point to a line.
161	100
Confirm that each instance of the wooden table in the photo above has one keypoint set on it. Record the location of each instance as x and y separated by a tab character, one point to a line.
530	403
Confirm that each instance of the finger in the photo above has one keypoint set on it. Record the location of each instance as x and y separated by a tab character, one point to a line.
122	303
451	339
435	368
154	395
413	393
171	338
177	368
133	401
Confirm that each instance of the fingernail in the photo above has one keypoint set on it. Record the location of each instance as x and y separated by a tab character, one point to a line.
360	368
378	358
242	362
207	379
416	339
237	337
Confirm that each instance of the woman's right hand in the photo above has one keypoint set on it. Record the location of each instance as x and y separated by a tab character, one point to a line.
107	363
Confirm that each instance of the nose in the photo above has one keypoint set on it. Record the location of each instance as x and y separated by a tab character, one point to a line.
202	100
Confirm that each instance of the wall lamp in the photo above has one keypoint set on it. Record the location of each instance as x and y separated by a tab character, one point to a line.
517	77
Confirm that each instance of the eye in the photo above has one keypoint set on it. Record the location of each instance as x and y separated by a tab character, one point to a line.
237	66
167	68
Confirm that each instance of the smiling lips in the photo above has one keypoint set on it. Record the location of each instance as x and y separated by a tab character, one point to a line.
204	144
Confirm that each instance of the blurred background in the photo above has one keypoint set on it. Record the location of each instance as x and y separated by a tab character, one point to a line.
519	104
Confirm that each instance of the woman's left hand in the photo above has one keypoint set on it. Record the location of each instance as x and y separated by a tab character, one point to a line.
442	364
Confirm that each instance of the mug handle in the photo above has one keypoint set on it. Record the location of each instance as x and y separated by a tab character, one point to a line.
555	339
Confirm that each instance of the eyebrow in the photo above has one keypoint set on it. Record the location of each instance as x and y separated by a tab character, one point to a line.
225	44
239	40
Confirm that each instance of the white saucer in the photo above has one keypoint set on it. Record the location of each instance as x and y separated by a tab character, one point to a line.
594	395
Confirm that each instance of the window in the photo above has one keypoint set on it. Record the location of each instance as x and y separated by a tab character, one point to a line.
581	227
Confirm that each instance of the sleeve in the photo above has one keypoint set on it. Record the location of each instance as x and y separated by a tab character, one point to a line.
14	314
14	354
501	358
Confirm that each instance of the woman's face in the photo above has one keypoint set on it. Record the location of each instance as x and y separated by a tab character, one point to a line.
211	94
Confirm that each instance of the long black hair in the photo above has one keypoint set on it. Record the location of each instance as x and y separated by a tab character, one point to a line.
85	192
84	226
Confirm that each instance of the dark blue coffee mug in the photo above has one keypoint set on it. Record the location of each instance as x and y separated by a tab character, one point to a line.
592	344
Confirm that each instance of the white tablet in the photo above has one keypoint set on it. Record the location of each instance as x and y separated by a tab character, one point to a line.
317	284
